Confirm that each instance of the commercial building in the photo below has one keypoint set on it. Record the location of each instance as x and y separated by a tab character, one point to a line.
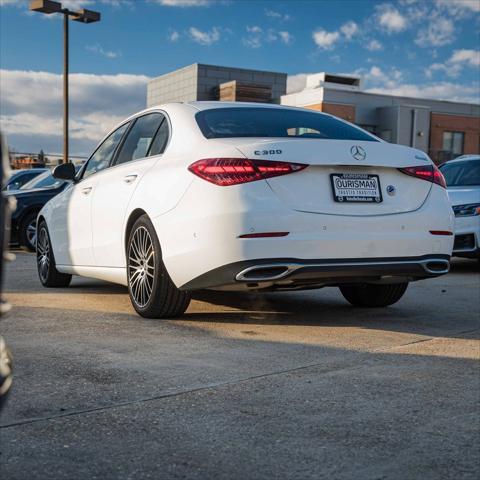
209	82
443	129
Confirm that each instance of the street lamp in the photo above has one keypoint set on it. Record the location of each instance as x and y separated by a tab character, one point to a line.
85	16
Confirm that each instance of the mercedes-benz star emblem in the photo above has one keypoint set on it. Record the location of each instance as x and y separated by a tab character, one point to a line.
358	153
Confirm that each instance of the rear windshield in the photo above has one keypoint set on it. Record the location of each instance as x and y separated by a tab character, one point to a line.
462	174
275	122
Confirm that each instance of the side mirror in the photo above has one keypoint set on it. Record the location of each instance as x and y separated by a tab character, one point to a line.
65	171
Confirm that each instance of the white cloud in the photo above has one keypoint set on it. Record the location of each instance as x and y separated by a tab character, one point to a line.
439	91
459	7
467	57
373	45
454	65
204	38
31	107
390	19
101	51
325	40
349	29
440	31
277	15
173	36
256	36
183	3
285	37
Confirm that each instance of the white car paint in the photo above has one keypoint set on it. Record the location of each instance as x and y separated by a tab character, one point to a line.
198	223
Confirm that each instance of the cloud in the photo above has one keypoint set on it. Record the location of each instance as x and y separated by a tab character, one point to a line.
459	7
204	38
100	51
173	36
349	29
390	19
325	40
31	107
454	65
440	31
183	3
466	57
277	15
373	45
256	36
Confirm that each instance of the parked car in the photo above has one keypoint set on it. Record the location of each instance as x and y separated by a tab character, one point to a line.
217	195
21	177
463	185
30	198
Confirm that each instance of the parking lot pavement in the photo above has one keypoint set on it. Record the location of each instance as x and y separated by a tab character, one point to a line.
286	385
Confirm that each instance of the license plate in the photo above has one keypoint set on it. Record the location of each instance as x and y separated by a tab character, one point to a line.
356	187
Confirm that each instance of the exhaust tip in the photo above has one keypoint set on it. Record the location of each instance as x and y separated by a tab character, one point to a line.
264	273
437	266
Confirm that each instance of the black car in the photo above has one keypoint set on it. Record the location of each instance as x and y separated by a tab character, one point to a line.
30	199
19	178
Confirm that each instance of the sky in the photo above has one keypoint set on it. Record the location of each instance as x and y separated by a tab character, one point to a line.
419	48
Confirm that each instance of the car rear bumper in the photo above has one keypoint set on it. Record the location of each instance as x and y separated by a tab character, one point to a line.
294	273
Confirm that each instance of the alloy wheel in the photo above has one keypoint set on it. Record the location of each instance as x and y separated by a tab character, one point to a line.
141	266
31	233
43	254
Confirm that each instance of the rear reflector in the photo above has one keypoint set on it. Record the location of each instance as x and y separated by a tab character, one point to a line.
441	232
233	171
264	235
426	172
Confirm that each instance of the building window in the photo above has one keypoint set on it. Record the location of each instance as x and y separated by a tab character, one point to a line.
453	142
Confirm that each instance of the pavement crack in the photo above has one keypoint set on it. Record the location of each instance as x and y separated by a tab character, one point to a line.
210	386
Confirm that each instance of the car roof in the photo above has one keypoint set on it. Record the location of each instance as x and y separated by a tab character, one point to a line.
463	158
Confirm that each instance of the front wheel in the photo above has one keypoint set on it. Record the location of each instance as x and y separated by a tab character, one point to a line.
152	291
28	232
369	295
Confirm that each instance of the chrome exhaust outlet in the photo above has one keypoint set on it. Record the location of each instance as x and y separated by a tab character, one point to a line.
436	267
265	273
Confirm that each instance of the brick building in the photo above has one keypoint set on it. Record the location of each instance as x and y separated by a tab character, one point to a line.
443	129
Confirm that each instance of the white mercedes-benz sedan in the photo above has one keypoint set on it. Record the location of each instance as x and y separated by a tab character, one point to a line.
251	197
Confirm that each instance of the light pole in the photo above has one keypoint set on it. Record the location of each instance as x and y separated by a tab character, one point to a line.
85	16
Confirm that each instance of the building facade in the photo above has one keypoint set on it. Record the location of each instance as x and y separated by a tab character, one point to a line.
443	129
210	82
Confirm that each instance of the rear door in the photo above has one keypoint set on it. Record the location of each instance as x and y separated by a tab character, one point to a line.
145	140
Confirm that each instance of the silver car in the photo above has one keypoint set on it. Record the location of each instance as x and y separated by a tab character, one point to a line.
463	185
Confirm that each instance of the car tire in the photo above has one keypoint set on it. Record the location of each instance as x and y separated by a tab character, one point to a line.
49	276
27	233
152	292
368	295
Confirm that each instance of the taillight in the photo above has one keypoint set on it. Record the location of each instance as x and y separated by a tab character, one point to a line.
431	173
232	171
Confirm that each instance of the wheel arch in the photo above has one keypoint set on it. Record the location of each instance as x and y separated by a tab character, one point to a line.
134	216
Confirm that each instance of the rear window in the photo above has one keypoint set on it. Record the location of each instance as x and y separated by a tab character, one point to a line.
275	122
462	174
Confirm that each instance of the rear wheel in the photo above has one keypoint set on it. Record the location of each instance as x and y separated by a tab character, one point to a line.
368	295
28	231
152	291
47	271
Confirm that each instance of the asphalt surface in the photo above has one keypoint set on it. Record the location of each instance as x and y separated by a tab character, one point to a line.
281	386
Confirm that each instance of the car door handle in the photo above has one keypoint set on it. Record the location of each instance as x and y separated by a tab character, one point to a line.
130	178
86	190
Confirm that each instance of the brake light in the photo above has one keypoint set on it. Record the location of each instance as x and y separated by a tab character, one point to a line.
233	171
431	173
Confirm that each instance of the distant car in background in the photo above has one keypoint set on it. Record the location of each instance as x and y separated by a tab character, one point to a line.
30	198
21	177
463	185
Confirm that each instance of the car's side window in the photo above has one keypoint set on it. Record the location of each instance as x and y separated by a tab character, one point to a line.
139	138
161	139
103	155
